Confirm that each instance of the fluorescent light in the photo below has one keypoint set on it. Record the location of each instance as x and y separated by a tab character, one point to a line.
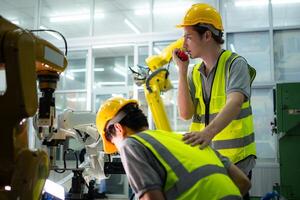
117	95
162	10
232	47
77	70
132	26
81	99
157	50
101	69
142	12
110	46
248	3
54	189
51	33
120	71
69	18
75	17
100	84
284	1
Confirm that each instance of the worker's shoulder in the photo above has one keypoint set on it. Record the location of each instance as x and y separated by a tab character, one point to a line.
131	142
238	63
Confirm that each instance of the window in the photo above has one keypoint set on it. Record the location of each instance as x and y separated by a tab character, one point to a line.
121	17
111	66
70	17
286	13
74	77
245	14
263	113
255	47
286	55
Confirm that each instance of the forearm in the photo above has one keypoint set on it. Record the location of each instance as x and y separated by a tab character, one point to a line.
185	103
153	195
239	178
230	111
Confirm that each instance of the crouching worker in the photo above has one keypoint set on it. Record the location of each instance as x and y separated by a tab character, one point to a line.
159	165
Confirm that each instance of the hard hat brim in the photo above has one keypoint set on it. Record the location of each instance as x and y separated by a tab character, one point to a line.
183	25
108	147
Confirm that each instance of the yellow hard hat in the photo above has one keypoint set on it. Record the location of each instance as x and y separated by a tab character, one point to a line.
204	14
108	110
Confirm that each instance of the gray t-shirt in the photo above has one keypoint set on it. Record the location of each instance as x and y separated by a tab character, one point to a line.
143	170
238	81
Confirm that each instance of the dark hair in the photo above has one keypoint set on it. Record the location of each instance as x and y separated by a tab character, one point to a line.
202	29
135	119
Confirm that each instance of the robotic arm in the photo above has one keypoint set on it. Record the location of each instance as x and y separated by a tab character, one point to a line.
23	57
81	126
158	82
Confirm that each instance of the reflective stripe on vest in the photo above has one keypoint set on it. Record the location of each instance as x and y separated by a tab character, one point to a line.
234	143
239	133
186	180
245	112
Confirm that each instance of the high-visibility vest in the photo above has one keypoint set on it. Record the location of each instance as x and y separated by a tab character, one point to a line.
236	141
191	173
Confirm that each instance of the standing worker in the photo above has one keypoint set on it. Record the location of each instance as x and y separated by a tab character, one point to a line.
216	93
159	165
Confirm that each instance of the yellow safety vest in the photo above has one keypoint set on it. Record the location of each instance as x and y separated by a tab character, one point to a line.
191	173
235	141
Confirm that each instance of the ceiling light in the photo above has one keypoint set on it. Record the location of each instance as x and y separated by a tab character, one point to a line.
284	2
117	95
248	3
76	17
76	99
120	71
111	46
132	26
69	18
162	10
101	69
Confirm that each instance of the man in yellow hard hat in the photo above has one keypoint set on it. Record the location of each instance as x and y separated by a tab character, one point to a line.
216	92
158	164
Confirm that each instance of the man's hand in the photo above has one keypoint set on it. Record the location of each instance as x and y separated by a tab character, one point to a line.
194	138
182	65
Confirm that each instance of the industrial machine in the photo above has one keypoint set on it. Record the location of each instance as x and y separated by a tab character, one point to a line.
96	165
155	81
81	127
25	58
287	126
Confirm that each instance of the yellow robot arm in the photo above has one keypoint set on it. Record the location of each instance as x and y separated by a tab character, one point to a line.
158	82
22	57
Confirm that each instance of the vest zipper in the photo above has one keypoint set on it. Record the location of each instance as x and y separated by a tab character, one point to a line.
211	89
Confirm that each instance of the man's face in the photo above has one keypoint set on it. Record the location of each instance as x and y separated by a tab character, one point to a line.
193	43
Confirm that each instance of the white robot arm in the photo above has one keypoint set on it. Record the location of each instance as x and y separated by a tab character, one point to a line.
81	126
